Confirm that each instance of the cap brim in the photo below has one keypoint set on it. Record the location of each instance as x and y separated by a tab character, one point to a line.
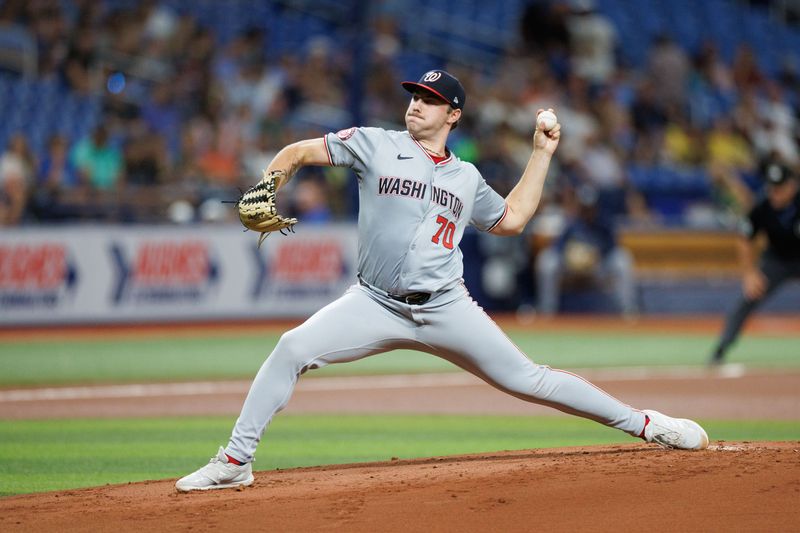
412	87
773	183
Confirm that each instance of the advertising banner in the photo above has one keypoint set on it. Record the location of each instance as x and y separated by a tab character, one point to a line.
156	273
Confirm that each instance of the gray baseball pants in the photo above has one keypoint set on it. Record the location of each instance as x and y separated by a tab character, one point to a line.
450	325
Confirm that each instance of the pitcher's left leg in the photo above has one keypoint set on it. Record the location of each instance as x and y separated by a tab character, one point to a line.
462	333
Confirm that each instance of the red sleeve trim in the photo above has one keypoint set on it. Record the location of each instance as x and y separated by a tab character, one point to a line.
499	220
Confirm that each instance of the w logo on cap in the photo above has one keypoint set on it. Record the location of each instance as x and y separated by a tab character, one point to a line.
440	83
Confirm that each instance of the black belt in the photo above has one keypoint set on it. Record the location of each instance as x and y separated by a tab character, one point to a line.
412	298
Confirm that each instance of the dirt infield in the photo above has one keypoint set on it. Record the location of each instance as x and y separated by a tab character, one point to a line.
729	487
691	392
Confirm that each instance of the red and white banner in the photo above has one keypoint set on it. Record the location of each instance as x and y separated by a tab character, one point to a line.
143	273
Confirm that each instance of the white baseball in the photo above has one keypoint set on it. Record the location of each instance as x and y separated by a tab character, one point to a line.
546	120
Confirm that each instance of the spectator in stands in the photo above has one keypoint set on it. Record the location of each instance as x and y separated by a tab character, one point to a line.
747	118
577	117
81	58
585	251
777	216
59	194
729	193
98	161
768	125
544	29
17	166
310	201
601	168
746	71
711	91
542	88
269	89
219	164
387	39
781	124
56	170
684	143
241	90
668	68
496	165
160	21
382	96
728	147
162	115
729	156
592	41
245	51
770	139
616	121
257	155
146	157
193	81
51	31
238	129
146	160
649	121
708	64
649	115
204	76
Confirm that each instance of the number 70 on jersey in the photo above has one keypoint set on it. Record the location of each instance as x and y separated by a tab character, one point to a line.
445	232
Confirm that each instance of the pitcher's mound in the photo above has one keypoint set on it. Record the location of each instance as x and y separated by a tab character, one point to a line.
731	486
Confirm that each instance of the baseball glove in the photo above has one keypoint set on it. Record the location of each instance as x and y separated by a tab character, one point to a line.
257	209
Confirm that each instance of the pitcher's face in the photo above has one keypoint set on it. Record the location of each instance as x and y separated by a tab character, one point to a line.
428	114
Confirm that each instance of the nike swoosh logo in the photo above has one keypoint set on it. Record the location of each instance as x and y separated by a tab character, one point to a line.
403	157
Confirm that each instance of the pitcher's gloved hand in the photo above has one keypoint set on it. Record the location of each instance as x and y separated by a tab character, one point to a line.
257	209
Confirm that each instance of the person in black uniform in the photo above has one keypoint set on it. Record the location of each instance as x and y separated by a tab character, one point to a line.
778	217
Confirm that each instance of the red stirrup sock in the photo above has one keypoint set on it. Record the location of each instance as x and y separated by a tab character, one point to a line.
646	421
233	461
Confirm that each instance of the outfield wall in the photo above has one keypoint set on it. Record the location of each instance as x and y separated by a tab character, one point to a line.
147	274
117	274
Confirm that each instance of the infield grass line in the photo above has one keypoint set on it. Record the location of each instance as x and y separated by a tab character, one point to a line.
47	455
32	363
341	383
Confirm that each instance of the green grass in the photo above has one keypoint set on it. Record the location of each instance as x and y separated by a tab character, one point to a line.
66	361
48	455
61	454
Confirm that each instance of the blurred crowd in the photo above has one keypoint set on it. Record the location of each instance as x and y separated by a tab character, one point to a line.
188	121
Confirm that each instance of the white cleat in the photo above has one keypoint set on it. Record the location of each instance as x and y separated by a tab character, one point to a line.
680	433
217	474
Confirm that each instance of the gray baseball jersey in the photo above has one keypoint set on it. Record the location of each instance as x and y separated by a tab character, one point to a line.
412	211
412	215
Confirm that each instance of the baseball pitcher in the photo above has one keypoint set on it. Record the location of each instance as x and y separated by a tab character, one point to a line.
416	199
